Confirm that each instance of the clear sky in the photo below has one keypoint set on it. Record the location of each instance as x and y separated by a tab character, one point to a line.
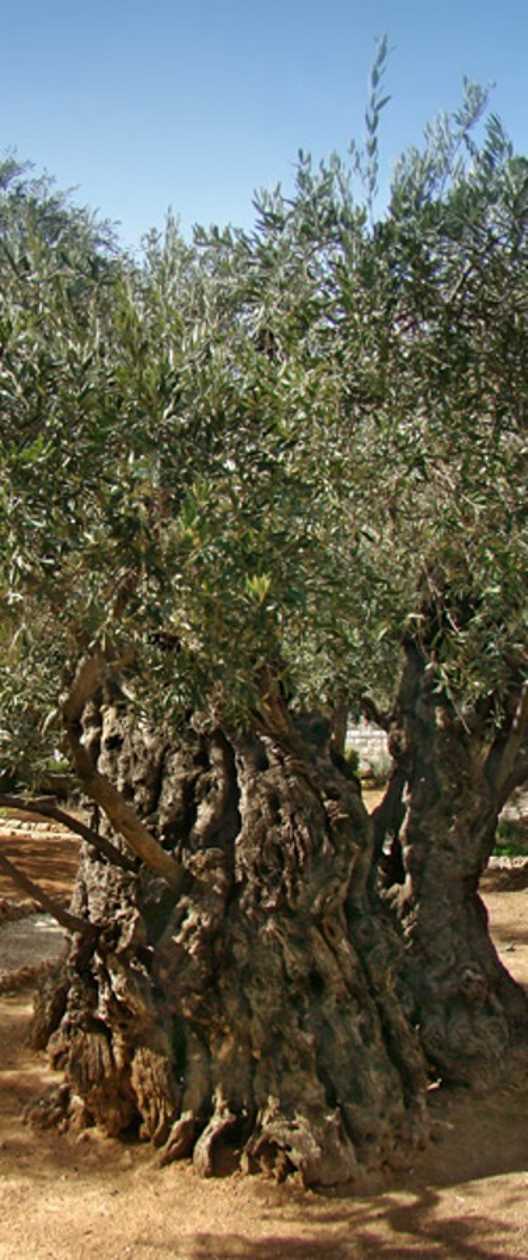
141	106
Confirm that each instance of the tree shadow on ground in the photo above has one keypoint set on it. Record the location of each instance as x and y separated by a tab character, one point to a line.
382	1227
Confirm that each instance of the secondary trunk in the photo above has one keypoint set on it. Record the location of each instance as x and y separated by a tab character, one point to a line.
256	1006
437	827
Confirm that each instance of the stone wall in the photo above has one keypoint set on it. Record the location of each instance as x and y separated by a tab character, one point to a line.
370	742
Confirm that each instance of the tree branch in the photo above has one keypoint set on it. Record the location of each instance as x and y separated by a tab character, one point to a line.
512	748
375	715
43	809
69	921
516	779
387	817
124	820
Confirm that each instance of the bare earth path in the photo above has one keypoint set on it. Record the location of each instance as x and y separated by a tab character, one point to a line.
467	1196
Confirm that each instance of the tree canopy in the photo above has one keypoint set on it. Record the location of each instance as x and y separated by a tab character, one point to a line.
289	447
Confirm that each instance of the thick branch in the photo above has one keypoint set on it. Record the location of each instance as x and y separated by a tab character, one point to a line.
43	809
339	720
517	778
69	921
373	714
273	717
388	816
123	818
211	810
511	750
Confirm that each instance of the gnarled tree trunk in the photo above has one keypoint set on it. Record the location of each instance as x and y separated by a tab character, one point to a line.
256	1005
438	824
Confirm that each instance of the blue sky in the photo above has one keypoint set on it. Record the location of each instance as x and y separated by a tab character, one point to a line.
141	106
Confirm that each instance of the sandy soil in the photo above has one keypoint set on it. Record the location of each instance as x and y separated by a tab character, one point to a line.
466	1197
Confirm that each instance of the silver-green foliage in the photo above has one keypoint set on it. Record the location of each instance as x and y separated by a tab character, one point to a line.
278	450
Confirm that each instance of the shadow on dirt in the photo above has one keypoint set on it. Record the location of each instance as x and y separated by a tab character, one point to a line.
358	1234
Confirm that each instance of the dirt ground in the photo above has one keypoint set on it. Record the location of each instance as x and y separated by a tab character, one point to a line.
466	1197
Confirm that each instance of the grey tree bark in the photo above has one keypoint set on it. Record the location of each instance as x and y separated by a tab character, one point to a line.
255	1005
437	826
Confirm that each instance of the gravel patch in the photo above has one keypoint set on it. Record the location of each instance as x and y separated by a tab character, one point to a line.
29	947
37	938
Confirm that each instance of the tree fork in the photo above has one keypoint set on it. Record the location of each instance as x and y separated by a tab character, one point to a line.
89	676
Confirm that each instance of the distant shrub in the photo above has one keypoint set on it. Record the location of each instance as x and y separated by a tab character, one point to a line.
352	759
511	838
378	769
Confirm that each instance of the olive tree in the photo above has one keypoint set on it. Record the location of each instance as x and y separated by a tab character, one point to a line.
241	483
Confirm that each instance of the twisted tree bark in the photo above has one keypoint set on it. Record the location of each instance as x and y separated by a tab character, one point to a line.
438	822
255	1005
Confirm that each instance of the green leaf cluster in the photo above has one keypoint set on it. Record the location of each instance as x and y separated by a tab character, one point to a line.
291	447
